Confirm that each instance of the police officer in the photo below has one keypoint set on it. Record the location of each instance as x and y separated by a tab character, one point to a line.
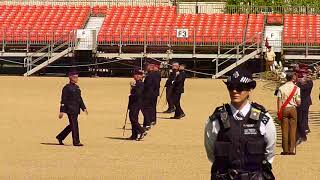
71	103
149	94
135	104
157	80
240	137
169	86
177	91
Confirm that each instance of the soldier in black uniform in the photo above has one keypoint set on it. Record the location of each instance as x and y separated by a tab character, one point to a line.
135	104
177	91
71	103
169	86
240	137
149	93
157	79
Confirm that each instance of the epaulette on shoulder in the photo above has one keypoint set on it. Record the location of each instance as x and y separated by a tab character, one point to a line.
216	111
259	107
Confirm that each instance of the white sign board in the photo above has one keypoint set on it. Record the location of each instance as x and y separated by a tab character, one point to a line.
83	33
86	39
274	36
182	33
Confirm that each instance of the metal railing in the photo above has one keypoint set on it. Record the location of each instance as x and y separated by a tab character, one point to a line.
90	2
169	38
240	50
48	50
245	9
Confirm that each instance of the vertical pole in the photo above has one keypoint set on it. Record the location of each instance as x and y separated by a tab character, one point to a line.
145	42
194	41
28	41
120	42
141	62
238	54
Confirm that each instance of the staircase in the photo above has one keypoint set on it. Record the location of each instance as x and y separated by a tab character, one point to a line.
47	51
239	61
94	23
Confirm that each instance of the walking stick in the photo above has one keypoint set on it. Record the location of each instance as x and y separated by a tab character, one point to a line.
161	95
125	121
126	118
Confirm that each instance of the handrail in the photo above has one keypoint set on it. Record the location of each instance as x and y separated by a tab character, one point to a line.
238	46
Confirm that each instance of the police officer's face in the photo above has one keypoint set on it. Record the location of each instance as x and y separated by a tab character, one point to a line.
175	66
238	94
74	79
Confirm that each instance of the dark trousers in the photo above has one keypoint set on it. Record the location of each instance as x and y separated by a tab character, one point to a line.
289	129
72	127
154	109
147	112
303	121
134	119
176	102
169	97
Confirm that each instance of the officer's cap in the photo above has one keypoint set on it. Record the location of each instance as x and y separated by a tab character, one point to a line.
241	77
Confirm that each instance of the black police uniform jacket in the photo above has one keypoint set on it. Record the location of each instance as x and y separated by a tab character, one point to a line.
239	144
157	77
150	86
136	94
71	100
178	83
171	77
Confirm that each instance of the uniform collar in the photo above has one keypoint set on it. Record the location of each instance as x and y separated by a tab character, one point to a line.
244	111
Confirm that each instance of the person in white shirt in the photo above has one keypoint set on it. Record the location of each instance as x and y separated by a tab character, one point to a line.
240	137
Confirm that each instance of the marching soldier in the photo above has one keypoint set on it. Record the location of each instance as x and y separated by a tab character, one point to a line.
71	103
169	86
288	101
240	137
157	80
177	91
149	94
135	104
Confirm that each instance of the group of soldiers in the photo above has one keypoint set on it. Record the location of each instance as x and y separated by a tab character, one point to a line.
144	93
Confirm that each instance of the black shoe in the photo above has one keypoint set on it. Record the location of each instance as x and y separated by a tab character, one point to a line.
153	123
132	138
291	153
284	153
60	141
178	117
308	131
299	141
169	111
79	144
147	128
141	136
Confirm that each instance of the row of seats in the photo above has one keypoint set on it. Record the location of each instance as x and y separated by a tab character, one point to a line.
40	23
46	23
160	24
301	29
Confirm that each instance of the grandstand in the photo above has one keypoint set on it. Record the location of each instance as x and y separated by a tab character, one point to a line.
210	37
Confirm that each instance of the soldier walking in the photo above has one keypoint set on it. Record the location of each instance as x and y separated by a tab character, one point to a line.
135	104
169	86
288	101
71	103
177	91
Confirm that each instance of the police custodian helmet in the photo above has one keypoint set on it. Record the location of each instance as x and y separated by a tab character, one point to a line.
241	78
